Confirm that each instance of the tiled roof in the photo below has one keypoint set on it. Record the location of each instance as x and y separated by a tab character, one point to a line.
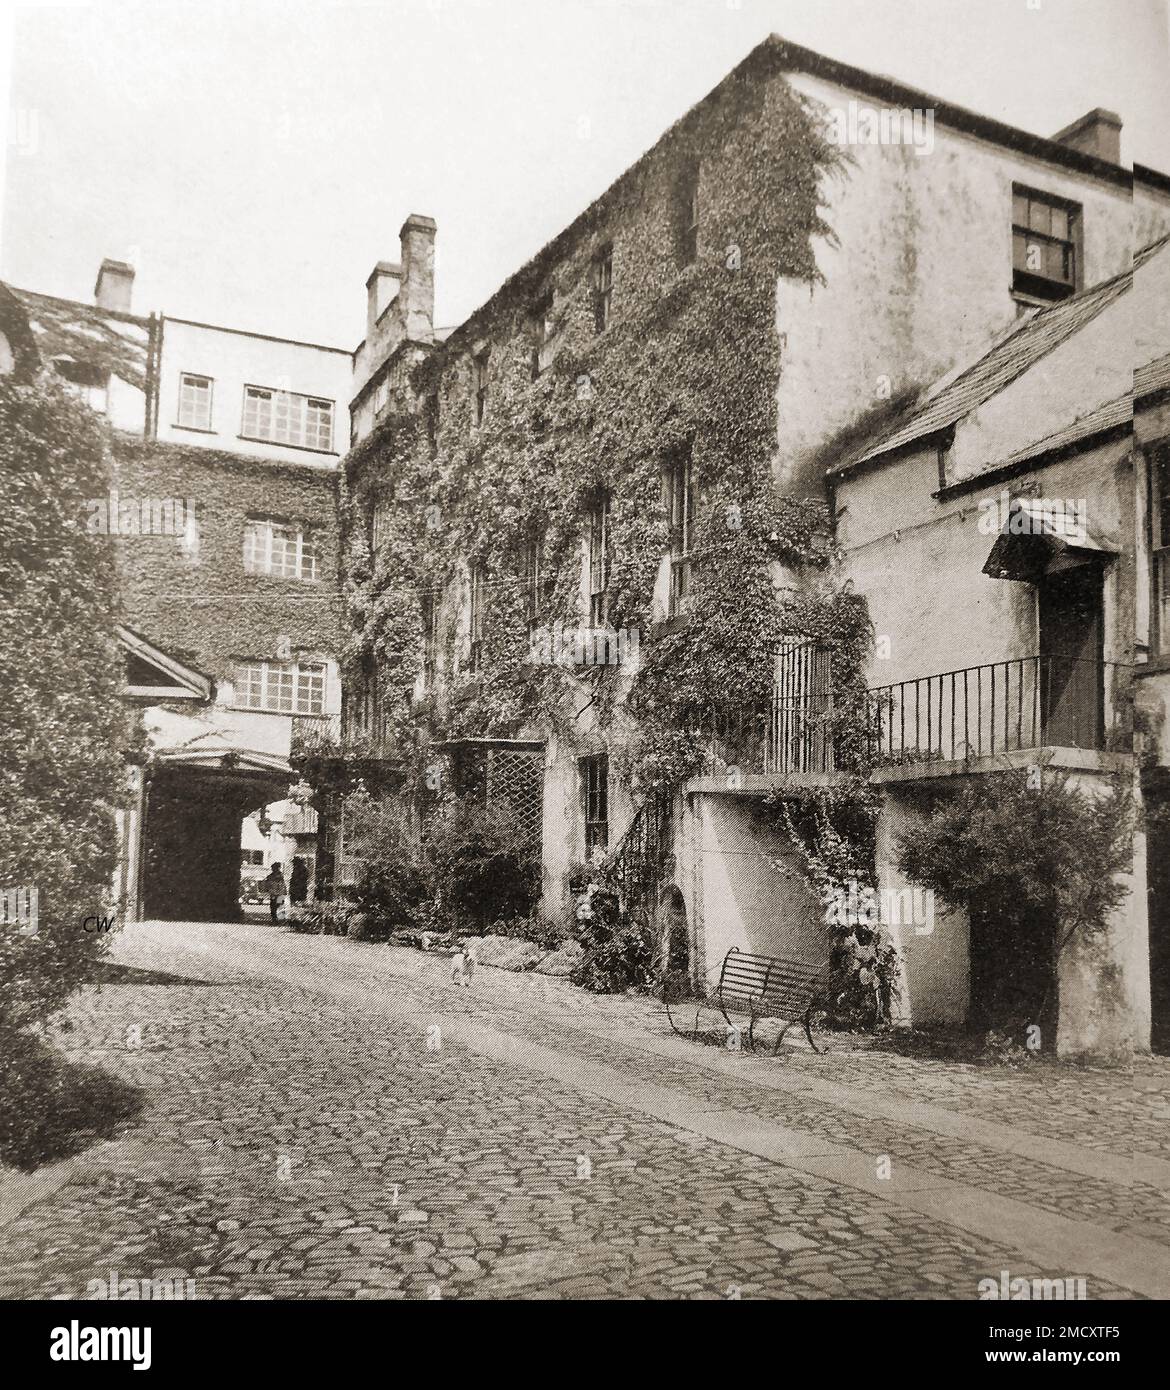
1153	377
1105	417
1025	343
65	329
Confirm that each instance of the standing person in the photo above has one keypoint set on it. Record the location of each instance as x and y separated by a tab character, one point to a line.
298	881
275	888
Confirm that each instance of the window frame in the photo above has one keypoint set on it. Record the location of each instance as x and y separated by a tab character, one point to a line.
600	558
480	378
209	383
274	395
475	623
683	498
1038	285
315	673
306	549
594	771
603	288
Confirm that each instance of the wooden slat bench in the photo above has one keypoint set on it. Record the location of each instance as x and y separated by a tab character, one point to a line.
761	987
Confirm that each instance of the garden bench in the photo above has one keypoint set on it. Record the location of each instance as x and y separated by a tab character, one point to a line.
761	987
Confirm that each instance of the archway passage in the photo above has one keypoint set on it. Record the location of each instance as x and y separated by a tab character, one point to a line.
191	865
675	938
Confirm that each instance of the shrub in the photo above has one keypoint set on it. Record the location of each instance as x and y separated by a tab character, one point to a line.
480	861
390	892
619	949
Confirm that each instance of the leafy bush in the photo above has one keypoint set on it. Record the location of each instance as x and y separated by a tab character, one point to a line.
1034	860
538	928
480	861
390	892
619	949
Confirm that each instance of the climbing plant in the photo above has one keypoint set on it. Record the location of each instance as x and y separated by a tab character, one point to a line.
502	442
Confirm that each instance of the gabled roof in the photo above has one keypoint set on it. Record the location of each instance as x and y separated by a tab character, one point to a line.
956	395
176	680
68	332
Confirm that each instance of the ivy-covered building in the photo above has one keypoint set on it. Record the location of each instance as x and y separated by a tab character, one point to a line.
591	562
223	516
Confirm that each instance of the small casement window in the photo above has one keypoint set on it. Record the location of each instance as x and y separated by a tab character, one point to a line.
195	402
595	794
683	502
282	549
1045	232
1160	548
282	687
599	558
476	619
359	710
479	385
286	417
602	288
687	215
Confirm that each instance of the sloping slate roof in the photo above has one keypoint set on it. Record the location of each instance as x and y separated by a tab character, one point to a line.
109	341
1105	417
956	395
1154	376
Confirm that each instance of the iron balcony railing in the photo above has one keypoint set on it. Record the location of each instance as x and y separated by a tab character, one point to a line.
982	711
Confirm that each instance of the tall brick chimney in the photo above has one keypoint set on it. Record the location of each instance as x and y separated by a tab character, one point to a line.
1097	132
417	295
381	287
114	286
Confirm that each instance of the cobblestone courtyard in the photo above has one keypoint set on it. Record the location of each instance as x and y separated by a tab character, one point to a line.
325	1118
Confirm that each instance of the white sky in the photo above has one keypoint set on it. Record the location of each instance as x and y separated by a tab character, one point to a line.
254	159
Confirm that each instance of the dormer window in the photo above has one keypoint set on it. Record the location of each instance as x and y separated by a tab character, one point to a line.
1045	233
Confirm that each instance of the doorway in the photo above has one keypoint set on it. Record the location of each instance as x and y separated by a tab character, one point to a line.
1071	677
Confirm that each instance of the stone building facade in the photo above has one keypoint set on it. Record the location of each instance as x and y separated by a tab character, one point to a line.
795	265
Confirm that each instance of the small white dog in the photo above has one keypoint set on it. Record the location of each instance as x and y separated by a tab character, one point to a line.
463	964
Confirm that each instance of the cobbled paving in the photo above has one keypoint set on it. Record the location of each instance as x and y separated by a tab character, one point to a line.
294	1147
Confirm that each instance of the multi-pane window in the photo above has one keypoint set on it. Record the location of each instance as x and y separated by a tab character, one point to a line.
285	550
595	793
602	288
599	559
476	625
537	584
683	502
284	687
286	417
195	402
687	215
1044	252
1160	547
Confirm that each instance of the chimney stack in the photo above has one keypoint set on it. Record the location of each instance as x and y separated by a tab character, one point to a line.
114	286
417	295
383	284
1097	132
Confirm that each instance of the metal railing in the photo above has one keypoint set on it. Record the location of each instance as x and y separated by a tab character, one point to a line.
635	864
983	711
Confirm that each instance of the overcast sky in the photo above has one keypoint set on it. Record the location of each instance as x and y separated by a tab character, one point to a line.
254	160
